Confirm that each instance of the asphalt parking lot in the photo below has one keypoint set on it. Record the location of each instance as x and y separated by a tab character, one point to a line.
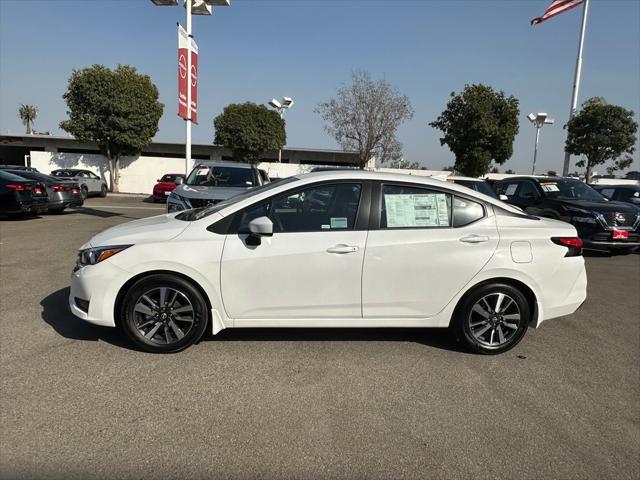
77	401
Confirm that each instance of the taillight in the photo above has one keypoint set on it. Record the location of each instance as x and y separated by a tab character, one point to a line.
60	188
37	190
19	187
574	245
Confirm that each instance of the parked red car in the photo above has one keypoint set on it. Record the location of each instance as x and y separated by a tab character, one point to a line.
165	185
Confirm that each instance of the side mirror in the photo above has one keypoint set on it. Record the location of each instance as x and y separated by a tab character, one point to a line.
179	181
503	197
261	227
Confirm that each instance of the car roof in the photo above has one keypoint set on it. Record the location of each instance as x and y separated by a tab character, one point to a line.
466	179
221	163
537	178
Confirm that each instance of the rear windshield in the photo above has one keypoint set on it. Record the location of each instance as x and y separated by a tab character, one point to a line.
10	177
220	176
64	173
171	178
568	189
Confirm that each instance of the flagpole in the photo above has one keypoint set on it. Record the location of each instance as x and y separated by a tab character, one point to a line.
576	81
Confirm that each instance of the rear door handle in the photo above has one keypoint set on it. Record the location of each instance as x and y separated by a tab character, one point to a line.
474	239
341	248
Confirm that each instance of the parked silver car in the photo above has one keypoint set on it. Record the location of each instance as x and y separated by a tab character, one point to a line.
90	183
213	181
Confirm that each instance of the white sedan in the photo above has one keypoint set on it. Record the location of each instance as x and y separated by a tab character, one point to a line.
333	249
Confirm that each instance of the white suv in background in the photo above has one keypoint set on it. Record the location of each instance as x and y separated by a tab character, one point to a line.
333	249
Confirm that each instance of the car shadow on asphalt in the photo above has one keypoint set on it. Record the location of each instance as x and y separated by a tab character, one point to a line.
55	312
441	338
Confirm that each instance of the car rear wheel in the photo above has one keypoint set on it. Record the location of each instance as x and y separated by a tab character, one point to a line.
103	191
493	318
164	314
84	191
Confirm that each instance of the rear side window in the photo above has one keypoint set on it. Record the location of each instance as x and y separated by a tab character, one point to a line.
528	191
410	207
466	212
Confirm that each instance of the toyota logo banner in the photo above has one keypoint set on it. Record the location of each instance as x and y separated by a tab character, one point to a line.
183	51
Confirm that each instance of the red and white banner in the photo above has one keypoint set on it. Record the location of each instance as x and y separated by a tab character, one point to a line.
556	8
183	51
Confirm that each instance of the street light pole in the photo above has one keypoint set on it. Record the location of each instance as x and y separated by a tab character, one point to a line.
538	120
280	107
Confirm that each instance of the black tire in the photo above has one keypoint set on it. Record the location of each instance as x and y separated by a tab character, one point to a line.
103	191
84	191
164	339
469	323
57	211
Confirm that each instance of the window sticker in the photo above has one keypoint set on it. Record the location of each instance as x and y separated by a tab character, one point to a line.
202	171
325	227
416	210
550	187
338	222
511	189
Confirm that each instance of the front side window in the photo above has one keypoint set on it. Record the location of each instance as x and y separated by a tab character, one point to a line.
528	191
410	207
221	176
507	188
607	192
318	208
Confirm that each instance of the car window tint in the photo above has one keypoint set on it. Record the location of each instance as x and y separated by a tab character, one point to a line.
507	188
319	208
607	192
410	207
527	191
466	211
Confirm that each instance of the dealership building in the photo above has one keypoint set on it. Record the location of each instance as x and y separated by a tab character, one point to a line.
138	174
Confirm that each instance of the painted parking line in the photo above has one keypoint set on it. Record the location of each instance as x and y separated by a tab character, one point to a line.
98	207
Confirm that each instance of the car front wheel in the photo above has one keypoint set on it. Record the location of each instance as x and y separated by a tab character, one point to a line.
164	314
103	190
493	318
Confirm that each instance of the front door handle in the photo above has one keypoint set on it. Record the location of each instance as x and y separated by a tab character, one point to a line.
341	248
474	239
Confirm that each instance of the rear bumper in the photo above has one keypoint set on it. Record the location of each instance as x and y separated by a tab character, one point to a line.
609	245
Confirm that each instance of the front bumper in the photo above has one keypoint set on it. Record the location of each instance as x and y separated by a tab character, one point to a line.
99	286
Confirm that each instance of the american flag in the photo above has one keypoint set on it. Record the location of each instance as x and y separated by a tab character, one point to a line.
556	8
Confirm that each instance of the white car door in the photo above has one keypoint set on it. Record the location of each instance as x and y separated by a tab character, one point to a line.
430	244
312	265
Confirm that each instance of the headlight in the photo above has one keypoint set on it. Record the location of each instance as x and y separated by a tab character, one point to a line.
91	256
176	203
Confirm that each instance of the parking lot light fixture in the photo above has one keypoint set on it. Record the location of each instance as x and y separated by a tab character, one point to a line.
280	107
192	7
538	120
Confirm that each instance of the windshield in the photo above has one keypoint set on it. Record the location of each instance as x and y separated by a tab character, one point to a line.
482	187
567	189
198	213
220	176
171	178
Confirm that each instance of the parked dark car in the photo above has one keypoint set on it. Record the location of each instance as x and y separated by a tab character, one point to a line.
21	196
18	167
62	194
601	224
620	193
90	183
166	185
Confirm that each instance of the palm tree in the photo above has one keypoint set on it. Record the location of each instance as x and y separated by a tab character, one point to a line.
28	114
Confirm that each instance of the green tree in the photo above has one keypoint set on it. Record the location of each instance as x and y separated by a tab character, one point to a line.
509	172
249	130
28	114
118	109
552	173
602	132
479	126
365	117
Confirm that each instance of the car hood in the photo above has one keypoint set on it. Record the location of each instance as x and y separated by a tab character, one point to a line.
602	207
208	193
152	229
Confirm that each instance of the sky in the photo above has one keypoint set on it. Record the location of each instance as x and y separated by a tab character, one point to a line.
258	49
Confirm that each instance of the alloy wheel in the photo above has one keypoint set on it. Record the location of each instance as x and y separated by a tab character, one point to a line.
163	315
494	319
